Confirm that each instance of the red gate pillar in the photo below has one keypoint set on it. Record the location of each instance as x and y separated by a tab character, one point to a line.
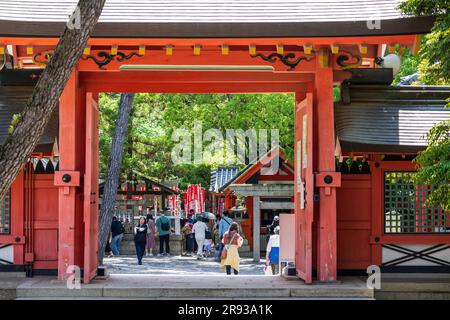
68	176
326	178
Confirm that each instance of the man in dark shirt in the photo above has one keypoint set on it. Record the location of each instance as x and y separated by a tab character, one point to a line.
117	231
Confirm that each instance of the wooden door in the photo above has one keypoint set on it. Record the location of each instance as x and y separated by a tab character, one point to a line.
91	191
304	186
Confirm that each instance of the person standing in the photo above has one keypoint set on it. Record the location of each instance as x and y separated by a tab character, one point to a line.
193	220
117	231
232	240
271	228
108	251
151	235
186	230
199	229
224	224
275	223
140	238
163	226
273	251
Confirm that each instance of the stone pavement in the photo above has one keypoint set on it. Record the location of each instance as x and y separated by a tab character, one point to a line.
177	265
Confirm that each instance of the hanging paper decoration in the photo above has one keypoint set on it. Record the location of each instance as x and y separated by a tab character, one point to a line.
173	202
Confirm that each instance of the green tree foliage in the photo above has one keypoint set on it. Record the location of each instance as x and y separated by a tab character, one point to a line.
155	116
434	64
434	69
435	164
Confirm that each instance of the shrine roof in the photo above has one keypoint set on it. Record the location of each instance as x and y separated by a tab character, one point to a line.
256	165
215	18
389	119
12	101
221	176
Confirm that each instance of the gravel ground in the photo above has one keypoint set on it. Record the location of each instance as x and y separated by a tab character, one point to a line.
174	265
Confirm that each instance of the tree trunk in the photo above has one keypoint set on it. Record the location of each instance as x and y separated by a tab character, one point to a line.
19	145
112	178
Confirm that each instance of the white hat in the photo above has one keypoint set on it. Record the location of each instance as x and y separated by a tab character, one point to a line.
276	218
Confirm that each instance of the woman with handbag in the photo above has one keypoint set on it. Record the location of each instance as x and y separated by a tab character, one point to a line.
232	241
140	238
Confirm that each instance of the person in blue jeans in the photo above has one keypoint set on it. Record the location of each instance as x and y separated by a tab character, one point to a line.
117	231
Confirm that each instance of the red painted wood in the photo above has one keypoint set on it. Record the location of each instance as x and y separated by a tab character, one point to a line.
45	221
91	190
324	107
192	76
68	136
304	216
354	222
205	87
17	220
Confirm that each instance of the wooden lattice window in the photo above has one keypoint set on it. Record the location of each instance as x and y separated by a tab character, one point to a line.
406	209
5	214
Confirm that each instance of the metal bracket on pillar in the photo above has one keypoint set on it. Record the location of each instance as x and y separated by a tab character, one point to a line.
67	179
328	180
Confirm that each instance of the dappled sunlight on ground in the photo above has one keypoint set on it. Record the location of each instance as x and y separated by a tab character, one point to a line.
177	265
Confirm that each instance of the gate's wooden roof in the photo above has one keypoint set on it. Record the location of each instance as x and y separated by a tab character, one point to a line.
214	18
389	119
12	101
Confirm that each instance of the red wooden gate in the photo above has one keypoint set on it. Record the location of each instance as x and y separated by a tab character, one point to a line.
91	191
304	186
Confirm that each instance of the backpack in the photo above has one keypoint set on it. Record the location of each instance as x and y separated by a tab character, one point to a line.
165	225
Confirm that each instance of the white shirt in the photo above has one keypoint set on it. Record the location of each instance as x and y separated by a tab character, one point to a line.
274	241
200	229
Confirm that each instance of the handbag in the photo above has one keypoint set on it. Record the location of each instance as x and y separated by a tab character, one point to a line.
224	253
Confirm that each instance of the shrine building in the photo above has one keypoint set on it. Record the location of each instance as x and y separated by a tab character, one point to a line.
355	204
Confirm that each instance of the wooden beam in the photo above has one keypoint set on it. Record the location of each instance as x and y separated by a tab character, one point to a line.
416	45
277	205
198	87
403	39
324	147
186	57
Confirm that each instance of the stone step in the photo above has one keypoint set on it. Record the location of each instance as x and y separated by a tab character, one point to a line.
426	288
194	287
